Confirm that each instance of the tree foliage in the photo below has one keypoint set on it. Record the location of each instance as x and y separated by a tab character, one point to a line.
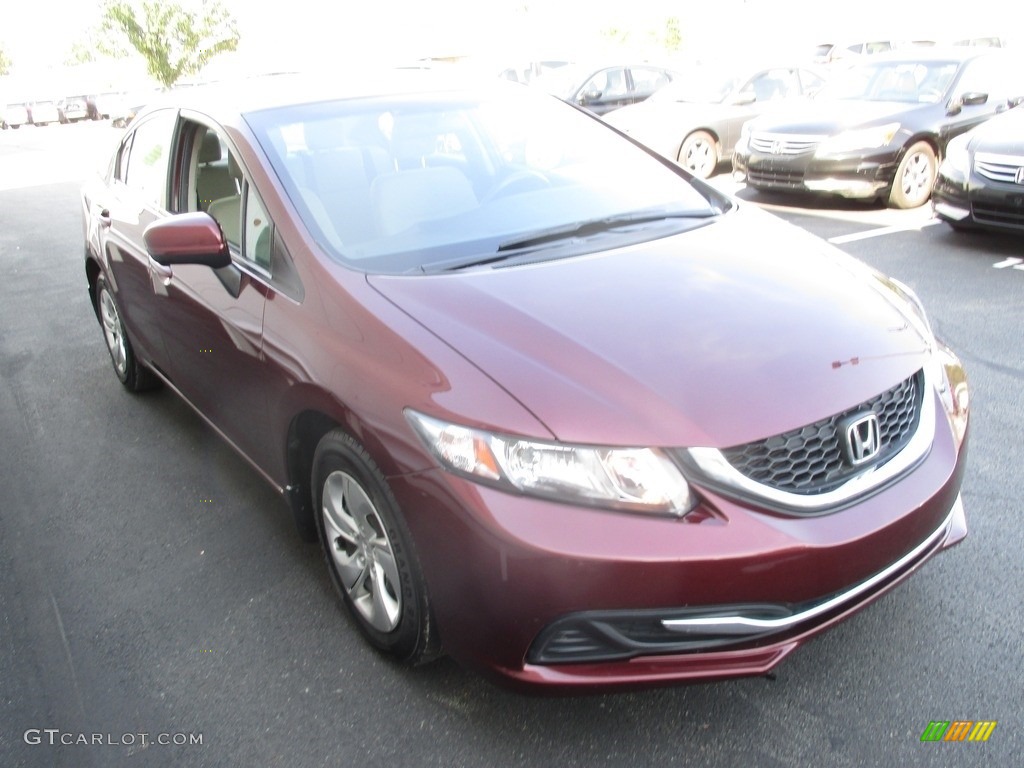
174	40
5	63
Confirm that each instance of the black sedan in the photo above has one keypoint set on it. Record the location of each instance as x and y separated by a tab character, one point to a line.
876	130
981	179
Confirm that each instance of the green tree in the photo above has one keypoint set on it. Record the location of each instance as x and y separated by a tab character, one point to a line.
672	37
5	63
174	40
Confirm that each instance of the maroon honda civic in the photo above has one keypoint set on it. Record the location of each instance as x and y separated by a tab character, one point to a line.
549	404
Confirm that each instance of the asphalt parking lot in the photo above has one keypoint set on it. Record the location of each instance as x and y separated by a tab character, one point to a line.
151	583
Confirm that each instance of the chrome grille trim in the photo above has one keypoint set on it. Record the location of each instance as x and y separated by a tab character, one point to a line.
712	463
740	626
812	459
1003	168
784	144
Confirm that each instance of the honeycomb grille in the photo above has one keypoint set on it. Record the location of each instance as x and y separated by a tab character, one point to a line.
812	459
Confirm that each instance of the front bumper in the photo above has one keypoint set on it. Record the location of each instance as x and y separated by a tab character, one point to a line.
544	596
855	176
978	202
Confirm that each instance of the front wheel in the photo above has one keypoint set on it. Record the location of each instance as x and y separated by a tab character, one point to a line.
699	154
369	551
915	176
130	372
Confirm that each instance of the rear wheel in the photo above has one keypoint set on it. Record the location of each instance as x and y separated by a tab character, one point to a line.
915	176
369	551
699	154
130	372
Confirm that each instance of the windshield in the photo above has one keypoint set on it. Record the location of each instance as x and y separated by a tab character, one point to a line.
915	82
400	184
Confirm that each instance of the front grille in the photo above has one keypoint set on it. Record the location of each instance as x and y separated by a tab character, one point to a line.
783	144
775	178
1002	168
999	215
812	459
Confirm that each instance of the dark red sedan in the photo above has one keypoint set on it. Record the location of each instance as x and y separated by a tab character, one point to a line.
549	404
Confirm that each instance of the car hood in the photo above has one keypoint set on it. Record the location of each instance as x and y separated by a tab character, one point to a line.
827	118
732	332
1003	134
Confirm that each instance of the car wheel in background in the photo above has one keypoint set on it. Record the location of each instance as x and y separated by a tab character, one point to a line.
915	176
130	372
368	551
699	154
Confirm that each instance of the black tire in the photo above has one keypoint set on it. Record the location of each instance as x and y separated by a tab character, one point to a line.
369	552
699	154
130	372
915	177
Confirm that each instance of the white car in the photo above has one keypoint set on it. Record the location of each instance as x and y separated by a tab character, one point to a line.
13	116
44	113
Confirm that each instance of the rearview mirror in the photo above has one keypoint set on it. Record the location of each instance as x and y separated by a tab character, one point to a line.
188	238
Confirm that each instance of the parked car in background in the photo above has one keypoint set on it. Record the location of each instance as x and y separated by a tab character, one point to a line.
528	71
981	178
848	53
548	403
43	112
877	130
696	119
121	108
601	89
71	109
14	116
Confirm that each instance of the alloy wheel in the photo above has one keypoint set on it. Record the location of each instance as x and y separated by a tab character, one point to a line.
361	551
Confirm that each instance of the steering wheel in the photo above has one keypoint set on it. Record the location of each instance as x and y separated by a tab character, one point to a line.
516	183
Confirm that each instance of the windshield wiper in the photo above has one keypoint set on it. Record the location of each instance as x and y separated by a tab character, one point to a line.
538	239
597	226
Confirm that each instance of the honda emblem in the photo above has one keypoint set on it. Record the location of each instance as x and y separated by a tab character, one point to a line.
862	438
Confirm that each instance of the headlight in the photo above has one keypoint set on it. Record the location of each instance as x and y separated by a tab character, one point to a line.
865	138
909	296
957	157
946	372
633	479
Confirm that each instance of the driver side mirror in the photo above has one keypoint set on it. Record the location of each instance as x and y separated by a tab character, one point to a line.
969	99
590	96
188	238
743	98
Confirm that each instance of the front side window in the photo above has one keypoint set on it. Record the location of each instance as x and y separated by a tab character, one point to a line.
609	83
404	184
216	184
997	76
146	171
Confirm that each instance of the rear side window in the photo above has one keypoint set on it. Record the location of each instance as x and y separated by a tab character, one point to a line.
146	170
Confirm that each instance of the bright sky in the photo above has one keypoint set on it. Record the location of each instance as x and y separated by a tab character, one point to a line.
38	34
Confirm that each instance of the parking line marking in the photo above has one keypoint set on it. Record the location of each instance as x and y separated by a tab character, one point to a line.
1010	262
880	231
